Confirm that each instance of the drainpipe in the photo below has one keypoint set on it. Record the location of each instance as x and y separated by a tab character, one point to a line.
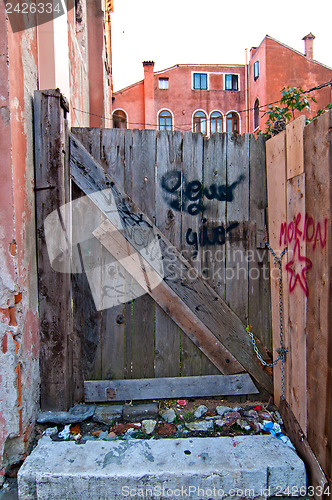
246	90
149	118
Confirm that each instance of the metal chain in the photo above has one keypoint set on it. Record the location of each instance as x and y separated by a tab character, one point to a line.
282	350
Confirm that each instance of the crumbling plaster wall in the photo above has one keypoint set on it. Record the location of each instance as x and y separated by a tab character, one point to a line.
19	329
78	67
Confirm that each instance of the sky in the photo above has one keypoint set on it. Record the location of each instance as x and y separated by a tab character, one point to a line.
171	32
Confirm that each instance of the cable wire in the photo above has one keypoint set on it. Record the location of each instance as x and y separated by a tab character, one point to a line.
181	128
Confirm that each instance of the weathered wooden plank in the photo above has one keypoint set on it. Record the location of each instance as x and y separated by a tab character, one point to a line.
113	321
52	191
316	476
294	141
112	157
168	388
297	303
192	205
194	293
90	138
276	187
214	212
259	292
87	320
237	219
318	171
140	186
129	307
213	224
168	220
112	153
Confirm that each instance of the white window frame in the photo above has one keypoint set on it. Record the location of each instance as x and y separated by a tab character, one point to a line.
207	80
163	79
172	114
256	62
239	116
238	81
207	121
222	117
125	112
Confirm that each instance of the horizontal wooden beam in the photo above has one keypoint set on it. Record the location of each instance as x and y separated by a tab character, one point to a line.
97	391
190	289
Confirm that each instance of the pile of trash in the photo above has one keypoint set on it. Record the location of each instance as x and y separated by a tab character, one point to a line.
157	420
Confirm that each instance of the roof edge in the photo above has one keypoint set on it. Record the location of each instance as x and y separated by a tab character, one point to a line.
293	50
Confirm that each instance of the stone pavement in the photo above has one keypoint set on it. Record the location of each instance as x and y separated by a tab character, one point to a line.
257	466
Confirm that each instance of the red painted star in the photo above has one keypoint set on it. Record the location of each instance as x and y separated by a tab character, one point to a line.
298	276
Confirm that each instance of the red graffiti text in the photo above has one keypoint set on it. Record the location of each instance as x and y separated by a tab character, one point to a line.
305	230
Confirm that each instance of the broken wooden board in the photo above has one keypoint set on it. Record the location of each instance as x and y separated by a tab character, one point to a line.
98	391
190	290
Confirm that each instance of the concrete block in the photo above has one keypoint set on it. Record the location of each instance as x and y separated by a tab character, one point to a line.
76	414
107	414
198	468
138	412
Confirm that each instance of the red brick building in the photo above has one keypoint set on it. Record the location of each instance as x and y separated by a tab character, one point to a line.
219	98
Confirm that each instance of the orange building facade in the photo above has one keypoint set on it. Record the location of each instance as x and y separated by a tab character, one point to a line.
273	66
220	98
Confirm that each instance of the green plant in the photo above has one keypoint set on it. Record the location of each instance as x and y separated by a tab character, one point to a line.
292	100
189	416
322	110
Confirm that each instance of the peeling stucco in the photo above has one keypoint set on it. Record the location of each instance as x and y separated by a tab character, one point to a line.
19	330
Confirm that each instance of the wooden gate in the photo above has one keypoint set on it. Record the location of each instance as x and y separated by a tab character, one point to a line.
205	201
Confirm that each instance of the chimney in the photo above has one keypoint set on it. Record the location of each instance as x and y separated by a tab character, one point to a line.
149	117
308	46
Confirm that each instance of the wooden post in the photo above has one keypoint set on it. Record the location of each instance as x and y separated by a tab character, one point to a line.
52	188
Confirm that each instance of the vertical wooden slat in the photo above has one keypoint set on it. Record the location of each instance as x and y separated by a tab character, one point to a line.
112	152
294	141
276	188
297	304
237	212
168	220
140	186
192	164
128	308
259	296
86	317
214	216
52	192
318	171
214	180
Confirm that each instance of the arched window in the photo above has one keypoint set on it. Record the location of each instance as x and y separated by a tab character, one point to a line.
119	119
216	122
165	120
233	121
256	114
200	122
